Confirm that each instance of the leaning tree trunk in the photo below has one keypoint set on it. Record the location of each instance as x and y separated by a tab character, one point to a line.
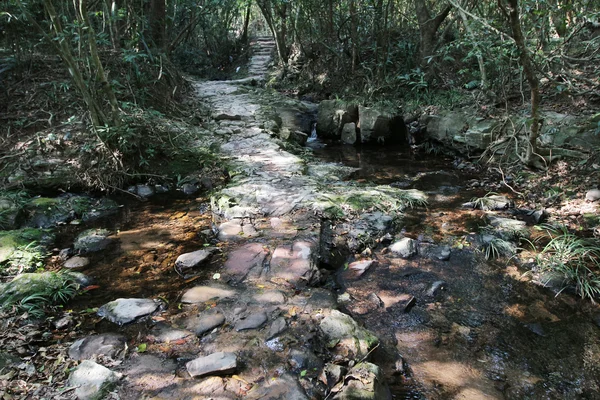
531	155
428	27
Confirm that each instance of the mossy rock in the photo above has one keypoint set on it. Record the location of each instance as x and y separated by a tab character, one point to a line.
347	336
23	249
92	240
28	284
46	212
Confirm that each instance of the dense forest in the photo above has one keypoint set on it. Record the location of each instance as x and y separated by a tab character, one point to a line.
276	199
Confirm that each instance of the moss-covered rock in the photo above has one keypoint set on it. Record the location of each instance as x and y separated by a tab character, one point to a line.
346	336
45	284
92	240
364	382
23	250
46	212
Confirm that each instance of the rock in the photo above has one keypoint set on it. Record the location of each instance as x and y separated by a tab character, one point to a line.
377	221
246	262
278	388
304	359
332	374
360	267
92	381
205	321
349	133
405	302
92	240
344	333
491	203
445	254
435	288
405	247
277	326
193	259
189	189
101	208
295	264
64	322
254	321
64	254
109	345
123	311
77	263
215	364
201	294
270	297
368	384
536	328
592	195
235	230
7	360
508	228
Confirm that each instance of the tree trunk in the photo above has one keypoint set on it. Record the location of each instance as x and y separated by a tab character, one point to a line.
531	155
469	31
157	19
246	23
428	27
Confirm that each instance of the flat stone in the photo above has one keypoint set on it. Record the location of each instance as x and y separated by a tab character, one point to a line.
246	262
205	321
92	381
270	297
295	264
360	267
235	230
201	294
253	321
108	344
215	364
405	247
193	259
77	263
277	326
163	333
123	311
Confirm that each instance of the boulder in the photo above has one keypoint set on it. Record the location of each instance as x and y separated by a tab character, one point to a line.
331	117
349	339
124	311
92	381
374	125
215	364
77	263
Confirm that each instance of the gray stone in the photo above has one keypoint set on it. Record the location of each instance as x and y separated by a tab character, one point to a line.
349	339
215	364
304	359
405	247
77	263
144	191
189	189
108	344
28	284
332	374
163	333
369	384
253	321
349	133
193	259
592	195
278	326
360	267
66	321
331	117
92	381
491	203
436	287
205	321
123	311
270	297
201	294
92	240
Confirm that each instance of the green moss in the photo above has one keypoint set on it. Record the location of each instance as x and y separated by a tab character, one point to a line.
23	249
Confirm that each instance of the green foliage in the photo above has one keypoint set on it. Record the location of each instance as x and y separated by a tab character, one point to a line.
11	205
574	258
498	247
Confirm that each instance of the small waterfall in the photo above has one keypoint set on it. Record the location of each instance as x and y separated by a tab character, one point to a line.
313	133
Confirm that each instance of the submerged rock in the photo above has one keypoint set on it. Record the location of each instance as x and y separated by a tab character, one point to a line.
92	240
215	364
92	381
205	321
123	311
108	344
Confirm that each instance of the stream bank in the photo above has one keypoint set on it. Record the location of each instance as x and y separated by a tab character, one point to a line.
313	275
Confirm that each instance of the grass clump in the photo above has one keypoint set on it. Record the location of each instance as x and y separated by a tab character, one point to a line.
575	258
22	250
36	293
